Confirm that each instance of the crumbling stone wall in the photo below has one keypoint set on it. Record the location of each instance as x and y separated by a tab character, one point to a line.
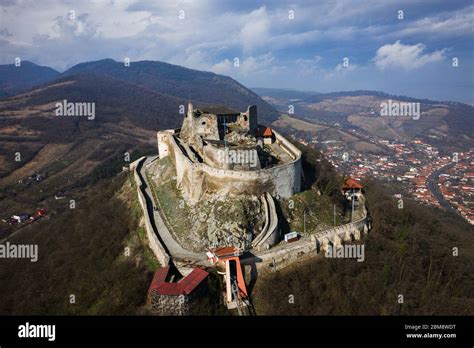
176	304
170	304
282	180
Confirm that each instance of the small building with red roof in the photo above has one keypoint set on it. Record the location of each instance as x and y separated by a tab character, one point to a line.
266	134
352	189
172	294
351	184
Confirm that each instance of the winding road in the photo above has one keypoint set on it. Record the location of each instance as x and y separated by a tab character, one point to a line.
432	184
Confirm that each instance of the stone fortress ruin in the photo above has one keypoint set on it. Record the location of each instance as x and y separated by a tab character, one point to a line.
230	156
230	153
209	197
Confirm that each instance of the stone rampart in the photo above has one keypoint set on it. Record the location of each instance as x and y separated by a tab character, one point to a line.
193	177
153	241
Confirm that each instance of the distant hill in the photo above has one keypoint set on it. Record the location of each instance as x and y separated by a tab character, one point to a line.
75	152
447	125
116	100
316	97
16	79
200	87
283	93
126	117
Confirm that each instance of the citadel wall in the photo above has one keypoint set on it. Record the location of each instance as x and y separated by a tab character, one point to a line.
219	158
155	245
195	178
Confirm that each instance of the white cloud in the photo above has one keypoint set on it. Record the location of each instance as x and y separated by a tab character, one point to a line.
339	71
257	64
453	23
308	66
408	57
261	64
223	67
254	29
342	68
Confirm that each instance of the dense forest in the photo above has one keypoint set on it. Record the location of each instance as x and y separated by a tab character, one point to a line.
82	253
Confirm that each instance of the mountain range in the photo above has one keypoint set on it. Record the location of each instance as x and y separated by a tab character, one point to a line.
200	87
15	79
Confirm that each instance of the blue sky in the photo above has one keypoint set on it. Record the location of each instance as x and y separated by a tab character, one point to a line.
411	56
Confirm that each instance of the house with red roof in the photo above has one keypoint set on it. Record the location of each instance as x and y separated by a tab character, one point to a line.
266	134
172	294
352	189
351	184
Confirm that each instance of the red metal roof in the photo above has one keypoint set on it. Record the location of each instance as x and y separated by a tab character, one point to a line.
159	278
267	132
264	131
226	251
351	184
184	287
172	289
192	280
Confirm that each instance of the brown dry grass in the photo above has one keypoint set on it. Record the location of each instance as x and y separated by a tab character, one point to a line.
47	154
287	121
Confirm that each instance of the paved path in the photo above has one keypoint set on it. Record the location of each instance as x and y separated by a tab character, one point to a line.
176	251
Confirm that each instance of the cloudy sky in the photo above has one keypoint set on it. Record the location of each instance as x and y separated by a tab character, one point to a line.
310	45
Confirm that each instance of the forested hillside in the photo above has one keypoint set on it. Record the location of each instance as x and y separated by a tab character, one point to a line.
408	252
